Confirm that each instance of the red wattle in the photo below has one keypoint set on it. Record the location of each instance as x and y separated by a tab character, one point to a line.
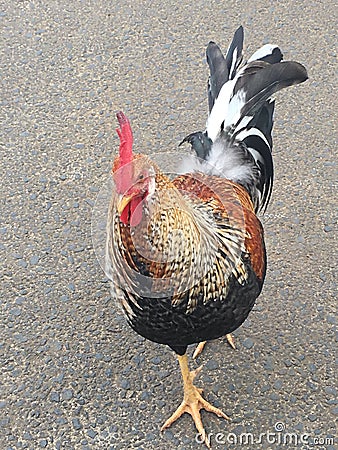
124	217
136	211
132	213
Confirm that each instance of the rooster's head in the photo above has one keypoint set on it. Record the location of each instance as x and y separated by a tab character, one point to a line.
134	176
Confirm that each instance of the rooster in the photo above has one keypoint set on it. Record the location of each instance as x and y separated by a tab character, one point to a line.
186	255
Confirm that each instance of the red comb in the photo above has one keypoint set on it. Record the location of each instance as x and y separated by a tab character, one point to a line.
126	139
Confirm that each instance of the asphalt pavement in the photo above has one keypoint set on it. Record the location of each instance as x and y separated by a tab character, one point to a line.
73	375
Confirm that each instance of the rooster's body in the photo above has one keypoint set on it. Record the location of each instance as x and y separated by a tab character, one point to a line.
187	255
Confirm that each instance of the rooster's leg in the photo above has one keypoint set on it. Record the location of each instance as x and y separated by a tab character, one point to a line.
192	402
201	345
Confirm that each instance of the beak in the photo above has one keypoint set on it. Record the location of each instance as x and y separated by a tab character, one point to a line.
123	201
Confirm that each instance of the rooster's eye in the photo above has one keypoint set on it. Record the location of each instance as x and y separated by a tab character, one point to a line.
141	176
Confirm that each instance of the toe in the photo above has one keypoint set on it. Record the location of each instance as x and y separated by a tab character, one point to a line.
231	341
199	349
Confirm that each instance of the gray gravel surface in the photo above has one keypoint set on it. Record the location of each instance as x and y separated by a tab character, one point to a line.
73	375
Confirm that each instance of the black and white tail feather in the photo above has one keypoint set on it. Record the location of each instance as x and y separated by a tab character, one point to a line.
237	142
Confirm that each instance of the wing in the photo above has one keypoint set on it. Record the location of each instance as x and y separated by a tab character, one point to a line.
238	231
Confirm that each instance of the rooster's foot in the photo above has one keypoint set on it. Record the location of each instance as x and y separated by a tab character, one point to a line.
193	402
